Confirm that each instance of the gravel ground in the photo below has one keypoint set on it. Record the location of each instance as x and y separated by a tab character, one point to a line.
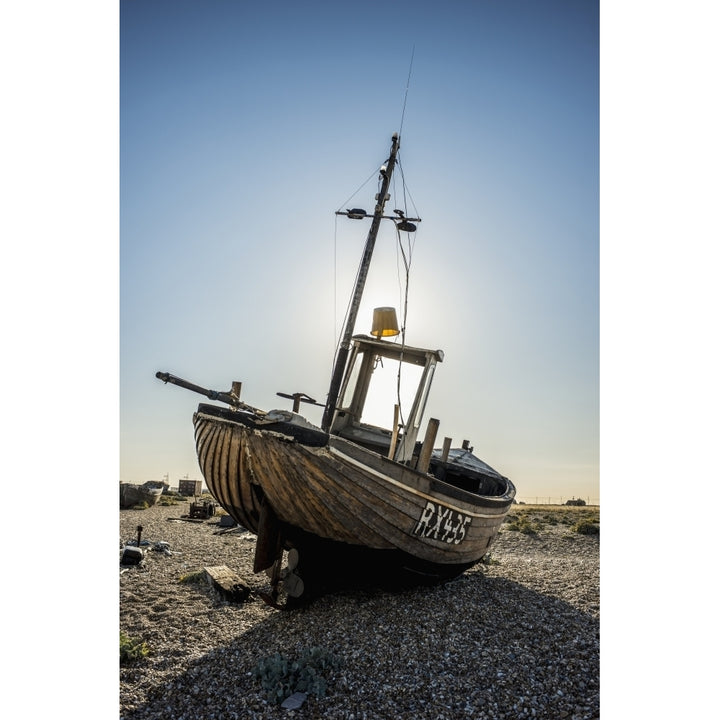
515	638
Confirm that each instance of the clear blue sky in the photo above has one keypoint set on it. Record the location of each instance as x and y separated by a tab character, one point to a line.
501	158
243	127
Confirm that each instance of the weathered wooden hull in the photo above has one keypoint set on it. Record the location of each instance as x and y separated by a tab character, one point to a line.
330	492
132	495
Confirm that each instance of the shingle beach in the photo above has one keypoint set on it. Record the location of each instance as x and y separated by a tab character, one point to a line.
514	638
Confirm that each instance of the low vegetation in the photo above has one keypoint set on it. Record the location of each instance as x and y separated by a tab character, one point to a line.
194	577
533	519
171	498
132	650
280	677
523	523
587	526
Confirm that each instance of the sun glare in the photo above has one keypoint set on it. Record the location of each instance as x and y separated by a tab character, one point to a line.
383	392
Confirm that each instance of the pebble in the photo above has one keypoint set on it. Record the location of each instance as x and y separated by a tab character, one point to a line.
516	638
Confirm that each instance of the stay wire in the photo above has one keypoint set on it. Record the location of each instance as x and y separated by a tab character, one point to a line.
406	257
407	88
349	303
407	261
347	202
407	267
347	309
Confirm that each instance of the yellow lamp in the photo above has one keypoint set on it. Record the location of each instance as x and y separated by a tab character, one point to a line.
385	322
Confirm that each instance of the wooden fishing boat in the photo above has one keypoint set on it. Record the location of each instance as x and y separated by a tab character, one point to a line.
132	494
350	498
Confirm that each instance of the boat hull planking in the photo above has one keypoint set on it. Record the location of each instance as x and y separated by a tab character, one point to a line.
334	498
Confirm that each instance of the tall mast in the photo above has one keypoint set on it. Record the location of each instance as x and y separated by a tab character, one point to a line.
343	351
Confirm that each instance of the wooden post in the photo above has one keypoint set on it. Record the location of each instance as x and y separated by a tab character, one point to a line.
427	447
446	449
396	428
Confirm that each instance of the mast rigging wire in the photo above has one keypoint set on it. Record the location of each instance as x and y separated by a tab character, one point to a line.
370	177
404	256
407	88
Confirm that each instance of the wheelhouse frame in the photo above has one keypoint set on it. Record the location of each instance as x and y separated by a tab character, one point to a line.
400	442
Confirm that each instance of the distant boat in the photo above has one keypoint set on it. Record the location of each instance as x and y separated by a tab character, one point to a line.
351	497
148	493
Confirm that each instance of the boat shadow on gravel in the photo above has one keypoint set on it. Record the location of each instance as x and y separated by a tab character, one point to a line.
476	646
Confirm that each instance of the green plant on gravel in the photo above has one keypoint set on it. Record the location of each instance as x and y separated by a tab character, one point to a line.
523	524
132	650
194	577
280	677
586	527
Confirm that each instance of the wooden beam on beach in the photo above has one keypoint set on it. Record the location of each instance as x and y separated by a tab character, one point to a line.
231	586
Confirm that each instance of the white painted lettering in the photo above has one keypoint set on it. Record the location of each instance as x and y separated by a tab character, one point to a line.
442	523
424	522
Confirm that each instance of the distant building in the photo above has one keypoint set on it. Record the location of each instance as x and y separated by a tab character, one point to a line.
191	487
579	501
